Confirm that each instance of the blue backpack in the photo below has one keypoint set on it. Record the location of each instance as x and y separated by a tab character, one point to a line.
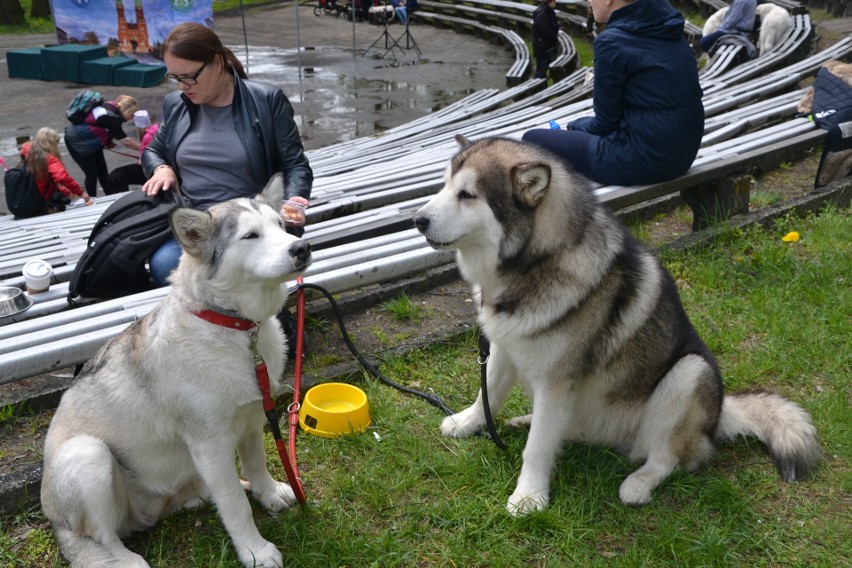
82	105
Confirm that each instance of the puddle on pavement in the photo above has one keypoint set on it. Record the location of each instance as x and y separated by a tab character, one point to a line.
340	96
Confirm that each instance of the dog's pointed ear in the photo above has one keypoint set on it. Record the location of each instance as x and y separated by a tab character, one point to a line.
192	228
531	182
274	190
462	141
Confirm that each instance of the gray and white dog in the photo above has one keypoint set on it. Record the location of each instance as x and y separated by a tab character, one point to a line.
152	422
591	325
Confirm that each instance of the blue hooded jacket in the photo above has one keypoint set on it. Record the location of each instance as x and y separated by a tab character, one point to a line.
647	100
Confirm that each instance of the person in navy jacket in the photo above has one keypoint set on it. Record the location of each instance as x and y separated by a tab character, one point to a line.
648	117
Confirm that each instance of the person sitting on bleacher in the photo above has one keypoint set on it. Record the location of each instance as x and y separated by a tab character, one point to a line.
739	21
400	10
55	185
649	118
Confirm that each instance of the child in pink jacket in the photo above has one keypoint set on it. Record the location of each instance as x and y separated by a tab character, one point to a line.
121	178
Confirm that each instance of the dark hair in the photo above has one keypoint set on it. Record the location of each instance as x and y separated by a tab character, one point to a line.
196	42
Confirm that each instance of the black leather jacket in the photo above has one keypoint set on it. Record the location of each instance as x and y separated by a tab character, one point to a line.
545	30
264	121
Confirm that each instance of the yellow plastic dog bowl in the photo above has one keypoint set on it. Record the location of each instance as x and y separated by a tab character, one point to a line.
331	410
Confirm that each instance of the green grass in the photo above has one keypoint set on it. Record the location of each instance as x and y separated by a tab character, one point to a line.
776	314
403	309
32	25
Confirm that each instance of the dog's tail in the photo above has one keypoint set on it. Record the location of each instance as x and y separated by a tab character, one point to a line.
785	427
86	551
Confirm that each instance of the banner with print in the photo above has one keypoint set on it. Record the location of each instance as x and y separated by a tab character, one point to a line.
134	28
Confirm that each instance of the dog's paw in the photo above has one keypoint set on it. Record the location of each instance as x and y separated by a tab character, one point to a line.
521	503
280	497
520	421
267	556
634	491
130	560
462	424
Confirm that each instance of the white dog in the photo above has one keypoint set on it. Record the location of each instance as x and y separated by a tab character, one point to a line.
152	422
775	21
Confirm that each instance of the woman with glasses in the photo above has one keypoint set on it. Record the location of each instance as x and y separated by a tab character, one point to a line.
222	136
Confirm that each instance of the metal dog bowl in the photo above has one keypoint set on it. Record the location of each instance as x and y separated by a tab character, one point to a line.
13	301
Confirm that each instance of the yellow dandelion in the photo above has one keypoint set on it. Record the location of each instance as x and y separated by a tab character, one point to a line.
791	237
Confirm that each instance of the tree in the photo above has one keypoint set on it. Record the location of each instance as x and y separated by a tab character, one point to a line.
40	9
11	13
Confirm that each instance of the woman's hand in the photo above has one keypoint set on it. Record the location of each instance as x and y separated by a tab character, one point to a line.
292	218
163	179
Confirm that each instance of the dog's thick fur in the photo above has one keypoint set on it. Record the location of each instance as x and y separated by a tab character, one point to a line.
590	324
775	22
153	420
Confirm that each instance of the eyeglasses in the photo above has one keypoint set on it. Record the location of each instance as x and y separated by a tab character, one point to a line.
188	80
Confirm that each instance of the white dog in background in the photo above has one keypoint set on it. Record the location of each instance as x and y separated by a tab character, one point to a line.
775	21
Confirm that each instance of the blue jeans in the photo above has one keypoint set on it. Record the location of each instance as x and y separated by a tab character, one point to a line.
571	145
706	42
164	260
542	64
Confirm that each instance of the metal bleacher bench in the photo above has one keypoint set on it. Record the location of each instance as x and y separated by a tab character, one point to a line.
519	69
509	17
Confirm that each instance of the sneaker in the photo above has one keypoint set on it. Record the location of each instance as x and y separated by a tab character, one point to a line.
290	327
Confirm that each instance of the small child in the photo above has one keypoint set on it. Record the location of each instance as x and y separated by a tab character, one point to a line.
122	177
56	186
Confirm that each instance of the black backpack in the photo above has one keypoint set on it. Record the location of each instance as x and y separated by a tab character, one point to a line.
121	242
22	196
82	105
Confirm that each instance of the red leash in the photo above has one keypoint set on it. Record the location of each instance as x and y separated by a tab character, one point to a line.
293	409
290	466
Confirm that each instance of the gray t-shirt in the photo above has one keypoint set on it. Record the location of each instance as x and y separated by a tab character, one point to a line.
212	160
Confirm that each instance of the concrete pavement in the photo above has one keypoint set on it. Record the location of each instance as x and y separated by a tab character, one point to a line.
340	93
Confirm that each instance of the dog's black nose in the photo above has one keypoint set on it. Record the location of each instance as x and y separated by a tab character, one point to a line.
421	222
300	249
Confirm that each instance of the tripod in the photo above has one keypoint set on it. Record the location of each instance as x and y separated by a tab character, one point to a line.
409	39
391	44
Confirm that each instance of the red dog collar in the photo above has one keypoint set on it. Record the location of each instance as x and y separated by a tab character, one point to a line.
225	320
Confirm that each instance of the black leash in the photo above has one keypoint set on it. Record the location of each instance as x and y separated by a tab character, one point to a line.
484	355
433	399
